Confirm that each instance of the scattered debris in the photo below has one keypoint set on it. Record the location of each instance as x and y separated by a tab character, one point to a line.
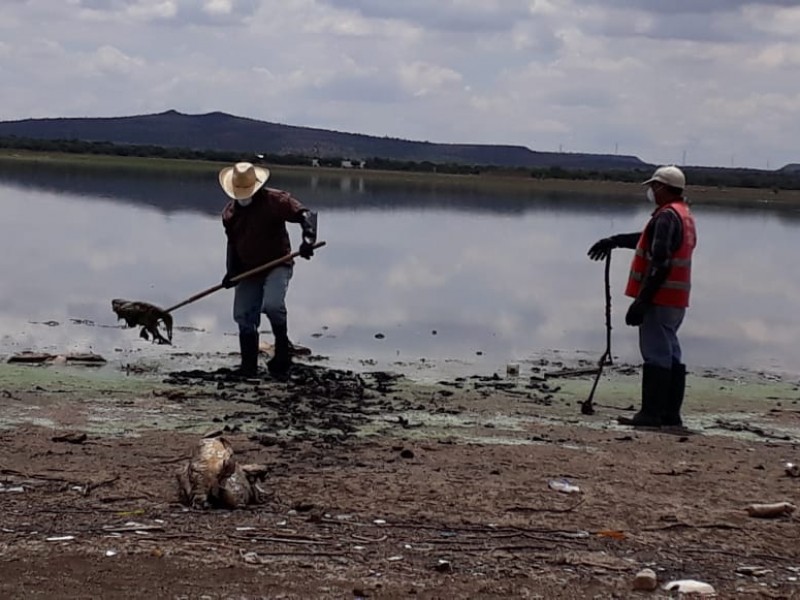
753	571
16	489
87	322
690	586
572	373
48	323
28	357
771	511
132	527
746	427
443	566
613	534
563	485
85	358
792	470
71	437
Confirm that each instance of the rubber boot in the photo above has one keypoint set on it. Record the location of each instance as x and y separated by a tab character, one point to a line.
655	393
248	348
671	417
280	364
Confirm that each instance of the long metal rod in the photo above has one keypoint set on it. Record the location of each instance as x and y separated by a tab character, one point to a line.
587	407
608	359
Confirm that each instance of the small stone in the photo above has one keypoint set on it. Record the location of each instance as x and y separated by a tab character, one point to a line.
407	453
645	580
379	336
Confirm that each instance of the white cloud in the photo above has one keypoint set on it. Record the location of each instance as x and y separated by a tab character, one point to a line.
653	79
423	78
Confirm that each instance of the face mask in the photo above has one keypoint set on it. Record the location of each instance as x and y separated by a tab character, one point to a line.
651	197
244	201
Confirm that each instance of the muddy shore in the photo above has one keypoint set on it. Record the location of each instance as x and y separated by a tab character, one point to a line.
381	486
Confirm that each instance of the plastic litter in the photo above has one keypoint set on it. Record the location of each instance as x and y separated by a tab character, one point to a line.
564	486
614	534
12	489
770	511
690	586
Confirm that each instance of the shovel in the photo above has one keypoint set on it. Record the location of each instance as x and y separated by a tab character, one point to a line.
148	316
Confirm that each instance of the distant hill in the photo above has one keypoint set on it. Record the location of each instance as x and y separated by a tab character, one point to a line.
223	132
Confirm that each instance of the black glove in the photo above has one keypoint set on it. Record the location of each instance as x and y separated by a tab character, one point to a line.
635	315
226	281
601	249
306	250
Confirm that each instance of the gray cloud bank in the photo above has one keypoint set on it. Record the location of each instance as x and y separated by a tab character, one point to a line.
712	80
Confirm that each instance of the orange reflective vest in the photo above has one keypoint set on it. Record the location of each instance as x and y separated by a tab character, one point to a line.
675	290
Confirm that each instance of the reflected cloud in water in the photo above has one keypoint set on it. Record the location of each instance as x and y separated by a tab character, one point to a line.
503	274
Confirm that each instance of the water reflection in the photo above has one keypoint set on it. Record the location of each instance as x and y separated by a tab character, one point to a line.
198	190
504	274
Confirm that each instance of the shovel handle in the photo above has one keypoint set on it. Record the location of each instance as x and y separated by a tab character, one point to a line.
245	275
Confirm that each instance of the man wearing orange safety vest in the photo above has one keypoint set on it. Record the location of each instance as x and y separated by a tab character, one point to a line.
659	283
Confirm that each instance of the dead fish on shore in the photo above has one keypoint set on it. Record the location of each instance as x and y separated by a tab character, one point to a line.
145	315
214	479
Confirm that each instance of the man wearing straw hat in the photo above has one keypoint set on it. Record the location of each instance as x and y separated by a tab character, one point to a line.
255	224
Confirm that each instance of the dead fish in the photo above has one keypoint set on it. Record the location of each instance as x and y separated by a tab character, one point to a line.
213	478
145	315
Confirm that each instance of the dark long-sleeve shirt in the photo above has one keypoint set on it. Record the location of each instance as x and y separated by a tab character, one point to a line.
665	231
257	232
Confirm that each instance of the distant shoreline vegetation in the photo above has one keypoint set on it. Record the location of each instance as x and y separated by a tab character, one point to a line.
704	181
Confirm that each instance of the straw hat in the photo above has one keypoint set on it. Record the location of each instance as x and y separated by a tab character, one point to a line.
242	180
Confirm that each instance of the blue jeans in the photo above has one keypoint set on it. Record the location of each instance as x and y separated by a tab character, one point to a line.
262	294
658	336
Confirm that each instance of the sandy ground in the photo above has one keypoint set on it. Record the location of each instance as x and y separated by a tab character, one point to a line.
379	487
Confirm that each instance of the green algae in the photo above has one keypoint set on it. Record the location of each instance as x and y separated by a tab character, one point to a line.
112	402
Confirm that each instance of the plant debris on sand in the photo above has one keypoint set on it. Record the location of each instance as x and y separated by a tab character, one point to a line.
379	487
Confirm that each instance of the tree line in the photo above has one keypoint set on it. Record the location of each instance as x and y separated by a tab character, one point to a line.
788	179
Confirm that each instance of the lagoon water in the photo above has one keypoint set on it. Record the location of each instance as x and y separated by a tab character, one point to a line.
499	275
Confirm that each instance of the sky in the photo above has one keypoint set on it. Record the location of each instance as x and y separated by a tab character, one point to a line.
694	82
